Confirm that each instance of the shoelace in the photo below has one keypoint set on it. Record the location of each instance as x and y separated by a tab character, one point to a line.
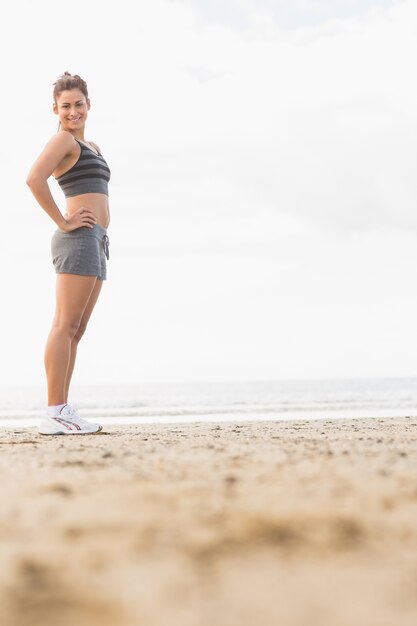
73	416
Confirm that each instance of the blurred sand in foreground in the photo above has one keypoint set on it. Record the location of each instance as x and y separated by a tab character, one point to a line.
204	524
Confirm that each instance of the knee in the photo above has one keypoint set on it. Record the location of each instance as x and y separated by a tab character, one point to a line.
70	328
79	332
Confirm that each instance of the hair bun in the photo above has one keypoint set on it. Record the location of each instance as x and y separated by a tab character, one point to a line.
68	81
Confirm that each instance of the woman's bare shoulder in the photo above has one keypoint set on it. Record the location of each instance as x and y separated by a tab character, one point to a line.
62	139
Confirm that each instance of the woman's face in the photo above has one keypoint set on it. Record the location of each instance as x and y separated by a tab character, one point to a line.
72	108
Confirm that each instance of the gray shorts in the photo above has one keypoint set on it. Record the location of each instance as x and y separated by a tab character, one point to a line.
82	251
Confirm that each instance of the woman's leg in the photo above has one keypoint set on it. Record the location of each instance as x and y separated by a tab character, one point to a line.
80	332
73	293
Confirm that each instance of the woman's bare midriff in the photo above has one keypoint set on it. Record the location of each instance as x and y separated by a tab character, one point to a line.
97	202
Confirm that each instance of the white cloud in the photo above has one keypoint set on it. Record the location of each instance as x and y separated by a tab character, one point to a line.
287	14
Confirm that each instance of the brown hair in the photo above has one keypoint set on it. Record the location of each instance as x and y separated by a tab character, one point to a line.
68	81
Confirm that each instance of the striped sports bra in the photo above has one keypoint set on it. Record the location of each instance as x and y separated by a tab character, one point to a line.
90	174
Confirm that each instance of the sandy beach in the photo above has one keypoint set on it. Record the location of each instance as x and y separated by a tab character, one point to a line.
204	524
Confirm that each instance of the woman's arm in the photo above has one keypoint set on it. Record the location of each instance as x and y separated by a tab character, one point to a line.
51	156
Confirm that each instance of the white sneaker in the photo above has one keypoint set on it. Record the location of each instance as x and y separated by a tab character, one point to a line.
68	422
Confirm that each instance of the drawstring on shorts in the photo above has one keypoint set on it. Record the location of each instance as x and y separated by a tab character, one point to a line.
106	244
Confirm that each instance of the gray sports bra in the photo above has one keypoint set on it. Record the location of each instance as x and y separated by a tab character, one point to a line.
90	174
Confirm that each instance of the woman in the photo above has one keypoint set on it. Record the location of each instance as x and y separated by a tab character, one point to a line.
79	246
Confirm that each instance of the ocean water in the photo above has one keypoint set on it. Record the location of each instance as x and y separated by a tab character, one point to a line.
223	401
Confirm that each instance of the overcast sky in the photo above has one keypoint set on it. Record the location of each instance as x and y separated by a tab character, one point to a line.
263	191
